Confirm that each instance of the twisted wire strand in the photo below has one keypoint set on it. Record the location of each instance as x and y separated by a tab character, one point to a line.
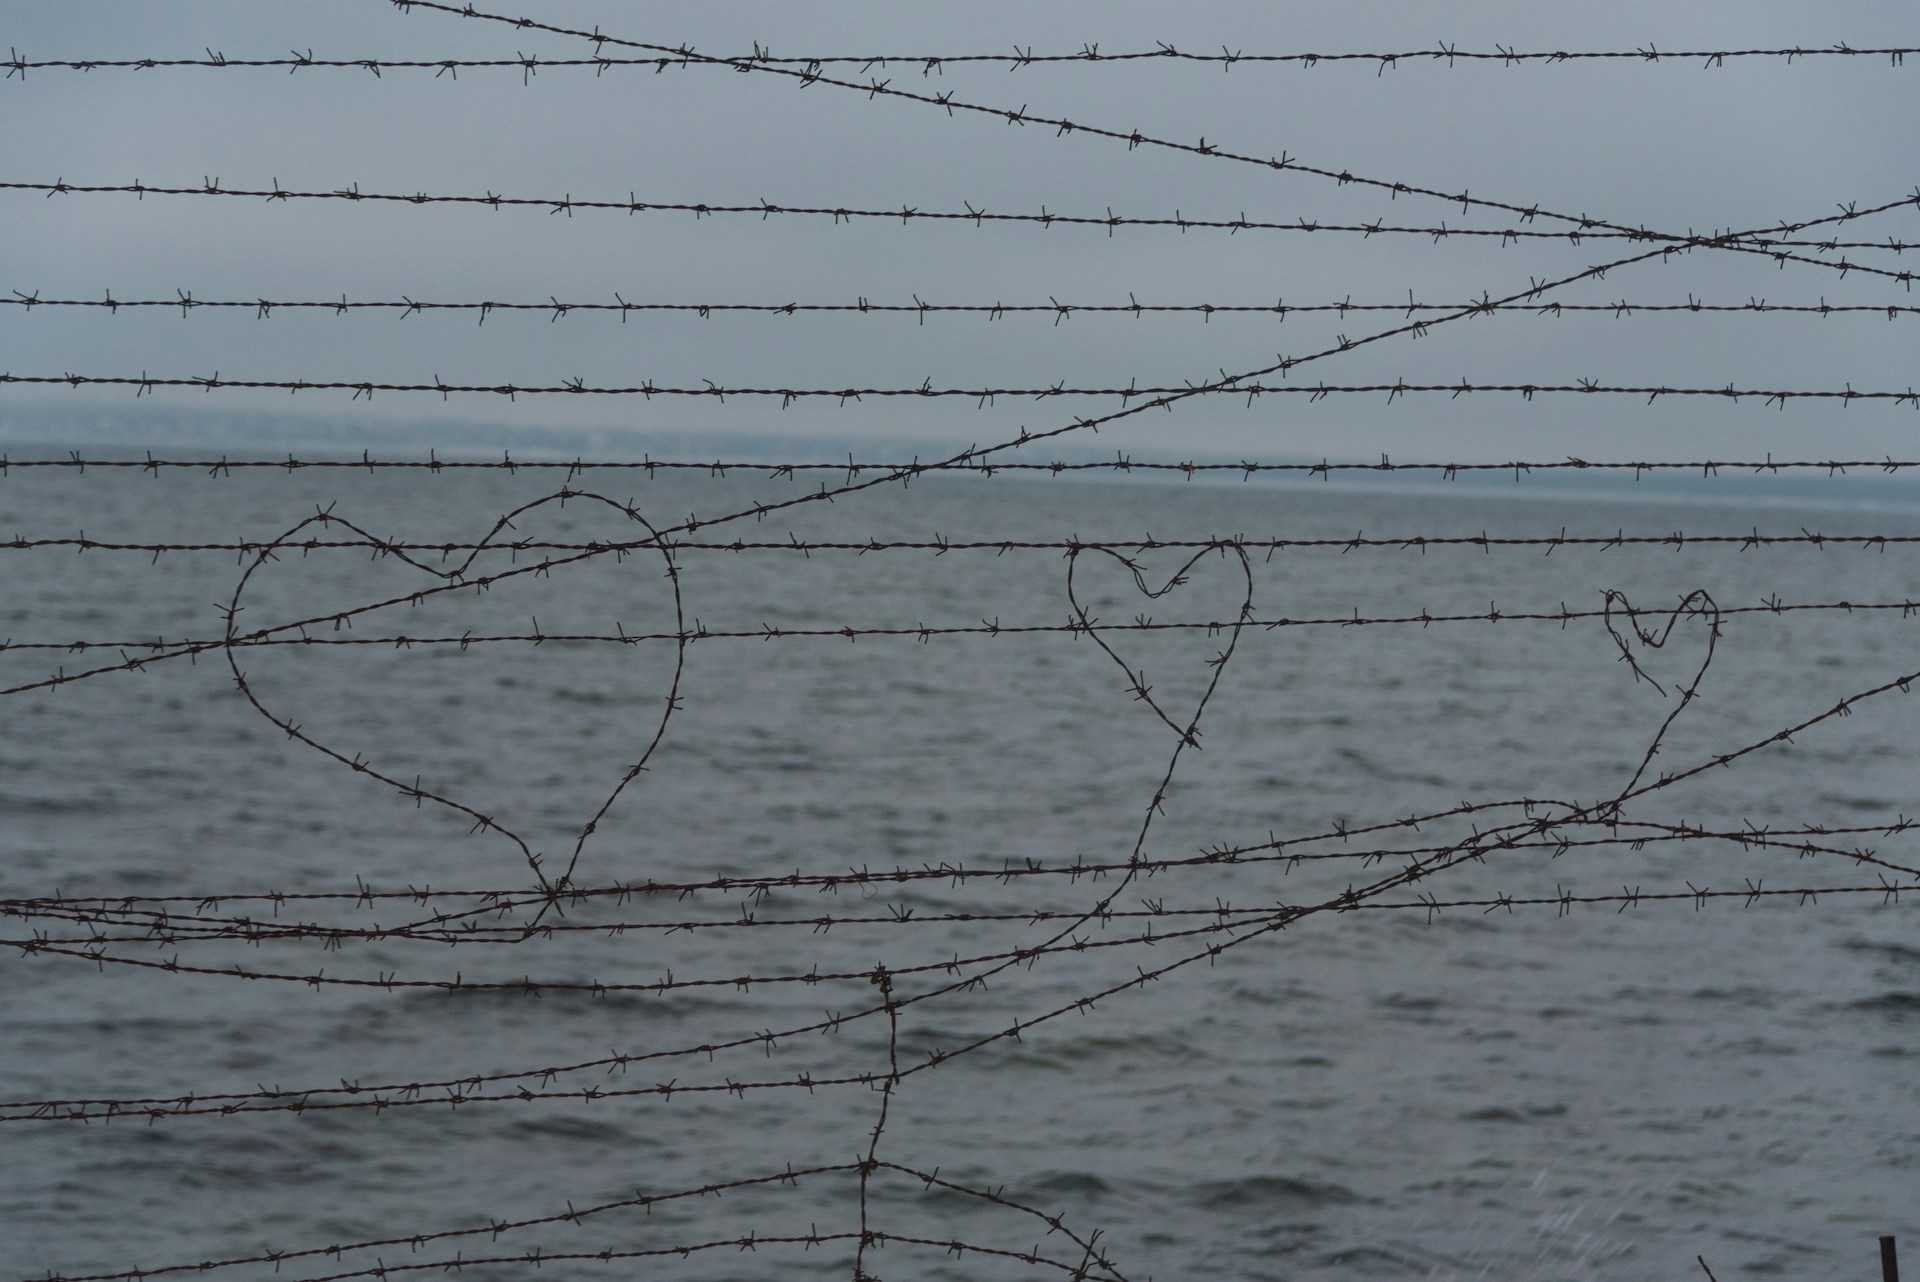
1675	539
186	301
969	463
1089	53
123	910
1775	244
1156	397
165	929
875	88
160	650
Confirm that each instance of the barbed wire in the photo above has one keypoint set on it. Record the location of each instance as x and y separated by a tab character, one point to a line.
501	902
467	1089
939	545
1087	622
789	1176
1630	896
110	935
970	463
1687	605
530	65
120	910
1432	907
974	454
160	650
165	928
1156	396
263	308
1773	245
471	1090
174	933
875	88
1506	837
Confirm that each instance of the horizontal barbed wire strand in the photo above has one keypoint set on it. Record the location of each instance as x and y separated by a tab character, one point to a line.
966	465
1274	919
1675	539
263	308
175	933
365	896
94	951
1502	840
1089	53
1220	912
501	901
165	928
171	931
1155	396
1772	245
161	650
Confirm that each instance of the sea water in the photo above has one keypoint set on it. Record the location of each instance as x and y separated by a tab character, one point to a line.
1519	1085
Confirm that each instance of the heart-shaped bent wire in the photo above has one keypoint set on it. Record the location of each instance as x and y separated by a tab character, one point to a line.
453	580
1136	680
1695	604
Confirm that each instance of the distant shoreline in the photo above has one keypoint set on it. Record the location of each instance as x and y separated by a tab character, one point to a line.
50	430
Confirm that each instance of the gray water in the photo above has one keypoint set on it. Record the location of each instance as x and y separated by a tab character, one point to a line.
1598	1090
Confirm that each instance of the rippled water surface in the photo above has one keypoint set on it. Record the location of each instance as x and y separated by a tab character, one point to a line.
1523	1086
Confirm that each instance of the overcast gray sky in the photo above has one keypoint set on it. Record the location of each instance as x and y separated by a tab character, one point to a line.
1670	145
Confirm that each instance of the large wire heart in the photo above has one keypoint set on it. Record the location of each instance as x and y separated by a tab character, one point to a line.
459	577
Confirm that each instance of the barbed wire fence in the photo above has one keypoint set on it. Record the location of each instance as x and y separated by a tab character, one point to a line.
685	57
904	1021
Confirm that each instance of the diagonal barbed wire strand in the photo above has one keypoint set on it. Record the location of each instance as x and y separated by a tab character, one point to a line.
1134	139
